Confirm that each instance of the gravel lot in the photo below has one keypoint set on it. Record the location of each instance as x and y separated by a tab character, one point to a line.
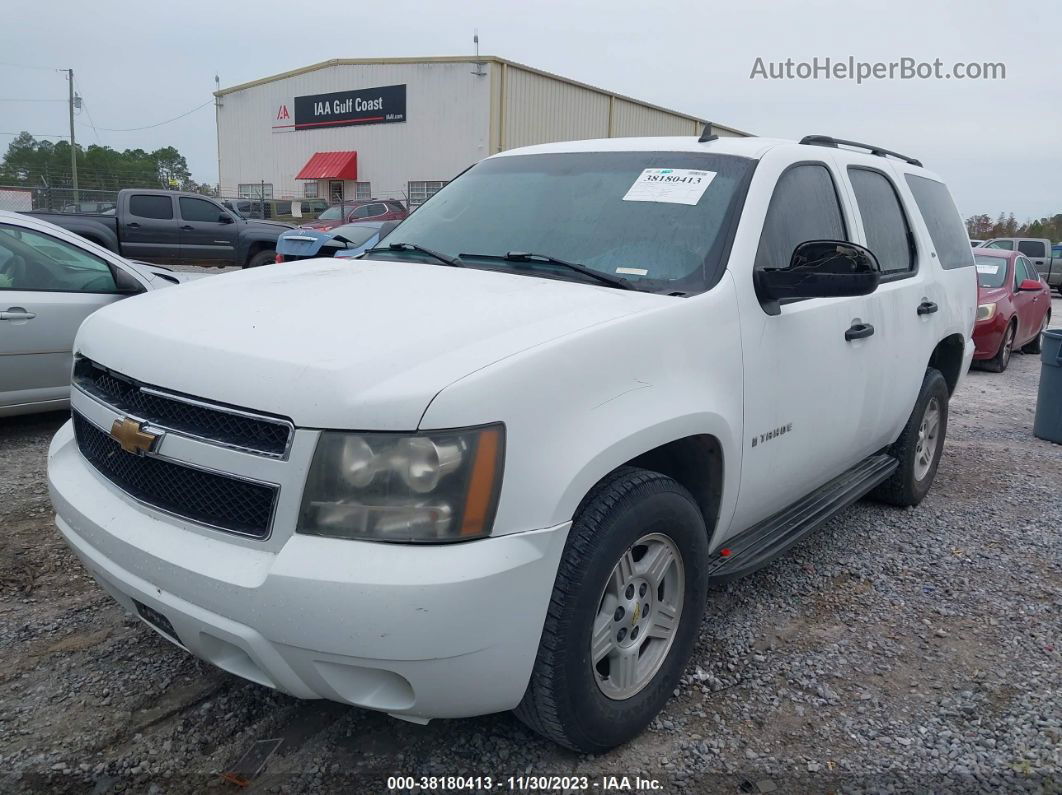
893	651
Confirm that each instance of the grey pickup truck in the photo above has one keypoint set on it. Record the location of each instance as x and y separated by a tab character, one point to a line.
170	227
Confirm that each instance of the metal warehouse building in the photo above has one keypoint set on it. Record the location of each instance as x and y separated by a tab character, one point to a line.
400	128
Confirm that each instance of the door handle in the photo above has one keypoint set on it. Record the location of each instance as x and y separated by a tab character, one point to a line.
927	308
132	225
17	313
187	227
859	331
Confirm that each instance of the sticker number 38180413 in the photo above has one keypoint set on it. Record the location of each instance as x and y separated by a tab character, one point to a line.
670	185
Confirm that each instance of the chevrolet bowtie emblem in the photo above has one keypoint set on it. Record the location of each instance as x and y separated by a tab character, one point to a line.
128	434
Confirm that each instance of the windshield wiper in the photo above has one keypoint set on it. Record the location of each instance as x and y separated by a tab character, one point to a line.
526	256
443	258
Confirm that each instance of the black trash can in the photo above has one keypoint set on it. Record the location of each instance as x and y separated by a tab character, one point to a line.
1048	422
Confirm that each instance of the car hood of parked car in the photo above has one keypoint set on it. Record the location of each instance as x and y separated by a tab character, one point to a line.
363	344
988	294
161	276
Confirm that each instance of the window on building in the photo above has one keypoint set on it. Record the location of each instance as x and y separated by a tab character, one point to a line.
151	206
420	192
362	191
946	228
309	190
255	190
888	233
804	207
1032	248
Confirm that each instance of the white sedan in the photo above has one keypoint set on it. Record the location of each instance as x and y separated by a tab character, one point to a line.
50	281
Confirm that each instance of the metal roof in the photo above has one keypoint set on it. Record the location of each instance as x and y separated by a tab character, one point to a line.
330	165
470	59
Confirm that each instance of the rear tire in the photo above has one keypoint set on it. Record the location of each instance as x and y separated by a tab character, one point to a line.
261	258
999	362
919	447
1034	345
605	607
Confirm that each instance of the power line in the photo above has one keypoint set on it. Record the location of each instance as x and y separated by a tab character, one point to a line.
30	66
150	126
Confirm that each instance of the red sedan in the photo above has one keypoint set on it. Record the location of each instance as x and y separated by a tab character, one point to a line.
357	211
1013	307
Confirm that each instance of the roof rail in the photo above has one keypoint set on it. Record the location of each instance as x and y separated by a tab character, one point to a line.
825	140
707	134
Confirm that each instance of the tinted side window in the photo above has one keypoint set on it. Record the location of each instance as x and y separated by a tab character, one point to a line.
361	212
1006	245
31	260
283	208
146	206
1032	248
804	207
888	233
199	210
946	229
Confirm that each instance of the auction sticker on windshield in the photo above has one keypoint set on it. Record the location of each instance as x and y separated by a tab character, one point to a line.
670	185
991	270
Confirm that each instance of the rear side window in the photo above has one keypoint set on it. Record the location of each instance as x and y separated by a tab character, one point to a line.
1032	248
804	207
1006	245
946	229
148	206
886	227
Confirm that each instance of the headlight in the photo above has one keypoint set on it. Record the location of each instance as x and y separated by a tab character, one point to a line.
985	312
434	486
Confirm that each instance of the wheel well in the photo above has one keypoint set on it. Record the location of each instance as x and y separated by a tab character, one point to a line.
257	247
947	358
697	463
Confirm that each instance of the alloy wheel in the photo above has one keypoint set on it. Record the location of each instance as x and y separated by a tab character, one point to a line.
638	616
926	446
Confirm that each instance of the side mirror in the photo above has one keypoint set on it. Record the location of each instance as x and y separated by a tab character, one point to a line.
819	269
126	284
1029	284
224	218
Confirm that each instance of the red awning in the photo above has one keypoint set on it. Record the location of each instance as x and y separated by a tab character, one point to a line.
331	165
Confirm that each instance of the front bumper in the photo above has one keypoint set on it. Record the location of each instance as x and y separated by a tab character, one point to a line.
421	632
988	336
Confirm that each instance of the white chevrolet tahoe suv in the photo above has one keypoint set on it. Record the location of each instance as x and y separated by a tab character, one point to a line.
497	463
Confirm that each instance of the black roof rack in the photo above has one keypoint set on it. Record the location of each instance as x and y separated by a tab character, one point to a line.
707	134
825	140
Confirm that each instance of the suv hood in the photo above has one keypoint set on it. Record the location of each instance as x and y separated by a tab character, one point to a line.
347	344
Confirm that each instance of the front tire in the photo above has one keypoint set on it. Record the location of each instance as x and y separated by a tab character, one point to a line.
999	362
919	447
261	258
624	615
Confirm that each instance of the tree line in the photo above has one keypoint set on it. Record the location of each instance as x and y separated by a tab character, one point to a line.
983	227
46	165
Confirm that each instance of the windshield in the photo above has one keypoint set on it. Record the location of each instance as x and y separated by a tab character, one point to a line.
333	213
991	271
355	234
656	219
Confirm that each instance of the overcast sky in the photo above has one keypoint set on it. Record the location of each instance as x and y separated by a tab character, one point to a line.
996	142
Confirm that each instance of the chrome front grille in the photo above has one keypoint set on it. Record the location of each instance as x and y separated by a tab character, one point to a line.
228	426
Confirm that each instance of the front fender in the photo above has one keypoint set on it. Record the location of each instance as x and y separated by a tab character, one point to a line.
578	407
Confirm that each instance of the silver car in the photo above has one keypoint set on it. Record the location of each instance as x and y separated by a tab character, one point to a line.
50	281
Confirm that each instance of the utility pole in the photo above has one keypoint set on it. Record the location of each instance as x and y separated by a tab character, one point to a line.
73	145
